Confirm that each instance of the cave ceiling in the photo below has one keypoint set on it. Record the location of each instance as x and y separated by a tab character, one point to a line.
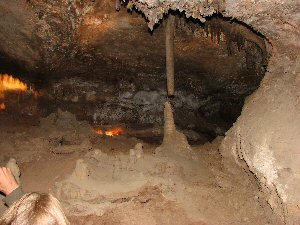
91	38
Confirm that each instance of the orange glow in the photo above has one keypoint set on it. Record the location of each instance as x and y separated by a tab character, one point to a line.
99	131
114	131
8	83
2	106
110	132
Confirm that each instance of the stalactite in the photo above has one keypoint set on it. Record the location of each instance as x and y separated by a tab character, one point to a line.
213	29
228	45
239	36
178	23
218	34
212	33
206	29
170	54
183	21
163	23
234	34
193	27
118	5
175	22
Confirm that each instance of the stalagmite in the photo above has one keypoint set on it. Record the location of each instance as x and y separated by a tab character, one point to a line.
136	153
174	141
81	170
170	29
169	126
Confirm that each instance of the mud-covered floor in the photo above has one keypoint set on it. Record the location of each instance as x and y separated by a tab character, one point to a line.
108	186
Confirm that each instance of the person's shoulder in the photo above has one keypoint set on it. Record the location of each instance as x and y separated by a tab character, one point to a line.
2	208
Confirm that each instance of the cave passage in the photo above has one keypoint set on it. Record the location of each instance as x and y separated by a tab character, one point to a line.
115	75
192	122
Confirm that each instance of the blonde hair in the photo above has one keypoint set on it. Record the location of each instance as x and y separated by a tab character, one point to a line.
35	209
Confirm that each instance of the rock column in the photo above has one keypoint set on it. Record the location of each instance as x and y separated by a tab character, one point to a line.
170	29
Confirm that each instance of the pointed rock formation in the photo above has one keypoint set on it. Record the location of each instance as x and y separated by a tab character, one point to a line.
174	141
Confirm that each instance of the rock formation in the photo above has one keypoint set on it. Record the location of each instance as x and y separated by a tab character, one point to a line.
174	141
81	170
136	153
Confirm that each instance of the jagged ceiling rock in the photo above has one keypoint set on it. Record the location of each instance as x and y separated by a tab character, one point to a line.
199	9
45	32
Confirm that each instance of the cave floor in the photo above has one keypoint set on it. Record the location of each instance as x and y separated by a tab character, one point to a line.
152	190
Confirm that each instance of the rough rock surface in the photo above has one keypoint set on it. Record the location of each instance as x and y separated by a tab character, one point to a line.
266	133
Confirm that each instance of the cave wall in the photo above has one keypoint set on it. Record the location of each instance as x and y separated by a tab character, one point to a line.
266	135
265	138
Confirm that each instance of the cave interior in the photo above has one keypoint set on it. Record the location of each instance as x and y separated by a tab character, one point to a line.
86	111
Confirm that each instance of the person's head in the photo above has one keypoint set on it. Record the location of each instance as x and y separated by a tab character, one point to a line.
35	209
